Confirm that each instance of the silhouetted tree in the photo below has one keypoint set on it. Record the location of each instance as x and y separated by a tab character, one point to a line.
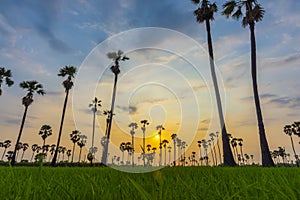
94	106
116	57
81	143
5	75
251	12
70	72
144	124
6	144
133	127
205	13
288	129
44	132
31	87
75	137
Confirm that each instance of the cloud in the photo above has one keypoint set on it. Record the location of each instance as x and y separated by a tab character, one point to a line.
130	109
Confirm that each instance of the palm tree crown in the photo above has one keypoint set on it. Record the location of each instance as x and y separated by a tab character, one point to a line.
6	76
31	87
205	11
70	72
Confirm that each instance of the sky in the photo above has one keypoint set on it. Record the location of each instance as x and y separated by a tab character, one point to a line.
167	78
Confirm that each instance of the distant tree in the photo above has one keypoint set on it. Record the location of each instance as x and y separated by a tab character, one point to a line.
174	138
81	143
122	149
24	148
45	132
94	106
70	72
6	144
31	87
200	152
5	75
75	137
144	124
52	150
288	130
133	127
69	154
19	147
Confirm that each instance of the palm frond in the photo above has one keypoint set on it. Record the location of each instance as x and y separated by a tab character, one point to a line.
195	1
238	13
112	55
258	12
228	8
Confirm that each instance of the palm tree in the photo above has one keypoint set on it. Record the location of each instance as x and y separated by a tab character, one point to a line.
169	151
160	128
74	136
205	13
178	144
164	143
94	105
19	147
116	57
204	144
220	157
200	152
24	148
31	87
122	149
69	154
128	148
183	145
133	126
212	138
148	147
234	144
81	144
288	129
52	150
174	138
70	72
44	132
6	144
33	148
45	149
212	152
144	123
240	140
5	75
251	12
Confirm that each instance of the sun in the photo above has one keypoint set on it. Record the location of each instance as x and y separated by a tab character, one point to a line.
157	137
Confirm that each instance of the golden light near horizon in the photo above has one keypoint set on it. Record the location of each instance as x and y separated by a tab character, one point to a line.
157	137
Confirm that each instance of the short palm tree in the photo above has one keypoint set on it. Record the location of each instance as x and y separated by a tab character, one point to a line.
52	150
133	127
252	12
33	148
75	137
94	106
174	138
69	154
144	124
220	157
116	57
6	144
70	72
160	128
31	87
164	144
24	148
81	143
44	132
122	149
240	140
212	138
205	14
19	147
5	75
288	129
200	152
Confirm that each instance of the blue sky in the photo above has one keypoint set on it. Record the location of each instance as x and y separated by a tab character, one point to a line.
37	38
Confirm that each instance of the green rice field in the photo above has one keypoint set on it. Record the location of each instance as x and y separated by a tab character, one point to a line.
168	183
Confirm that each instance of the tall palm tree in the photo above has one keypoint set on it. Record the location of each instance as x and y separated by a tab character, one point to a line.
75	137
31	87
160	128
205	13
174	138
5	75
116	57
133	126
251	12
94	105
164	143
144	123
6	144
44	132
81	143
288	129
70	72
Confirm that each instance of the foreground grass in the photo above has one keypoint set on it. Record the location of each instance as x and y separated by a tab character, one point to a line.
169	183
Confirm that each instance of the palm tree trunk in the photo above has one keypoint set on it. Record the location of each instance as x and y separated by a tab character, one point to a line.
212	155
132	150
242	155
22	155
165	156
214	150
105	150
295	154
174	153
79	154
228	157
13	159
53	163
265	151
32	156
94	116
220	157
200	156
3	153
73	152
144	146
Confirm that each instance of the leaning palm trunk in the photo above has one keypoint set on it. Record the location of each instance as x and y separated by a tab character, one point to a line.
295	154
105	149
265	152
13	159
54	160
228	157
